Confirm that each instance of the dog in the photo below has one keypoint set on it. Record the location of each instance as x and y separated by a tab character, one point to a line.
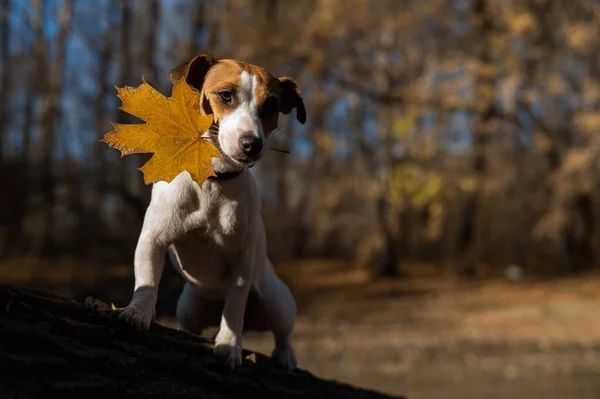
214	233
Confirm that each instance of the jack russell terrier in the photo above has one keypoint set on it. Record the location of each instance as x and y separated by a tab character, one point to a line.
214	233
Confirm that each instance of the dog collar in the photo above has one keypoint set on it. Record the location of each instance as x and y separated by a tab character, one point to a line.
226	175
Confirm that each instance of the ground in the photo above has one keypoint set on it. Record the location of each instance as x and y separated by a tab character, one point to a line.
421	337
427	337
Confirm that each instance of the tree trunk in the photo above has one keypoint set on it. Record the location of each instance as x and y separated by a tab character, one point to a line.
317	163
50	82
5	79
40	92
578	234
389	264
467	246
150	67
16	242
126	187
90	228
125	65
56	347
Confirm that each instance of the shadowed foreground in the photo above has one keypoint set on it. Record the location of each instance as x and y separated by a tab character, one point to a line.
53	345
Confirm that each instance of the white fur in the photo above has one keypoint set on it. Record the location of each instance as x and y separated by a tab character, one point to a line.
243	120
216	239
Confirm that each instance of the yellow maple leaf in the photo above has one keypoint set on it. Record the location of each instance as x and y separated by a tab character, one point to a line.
173	129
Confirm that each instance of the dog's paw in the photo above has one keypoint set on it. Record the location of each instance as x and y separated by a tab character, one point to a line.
231	355
285	357
138	318
228	346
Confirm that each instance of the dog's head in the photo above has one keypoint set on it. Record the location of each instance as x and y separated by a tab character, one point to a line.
245	101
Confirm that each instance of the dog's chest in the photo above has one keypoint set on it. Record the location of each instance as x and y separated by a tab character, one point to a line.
220	215
217	227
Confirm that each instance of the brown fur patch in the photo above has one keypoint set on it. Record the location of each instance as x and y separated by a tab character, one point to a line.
226	75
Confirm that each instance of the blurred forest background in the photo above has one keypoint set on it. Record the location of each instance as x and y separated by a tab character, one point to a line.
456	131
456	134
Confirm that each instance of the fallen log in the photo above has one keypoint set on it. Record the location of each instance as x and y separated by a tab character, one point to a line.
52	346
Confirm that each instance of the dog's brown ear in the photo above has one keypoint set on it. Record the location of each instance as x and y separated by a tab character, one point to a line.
291	97
178	72
194	72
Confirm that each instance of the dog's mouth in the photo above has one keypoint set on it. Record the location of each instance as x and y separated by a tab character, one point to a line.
245	161
242	161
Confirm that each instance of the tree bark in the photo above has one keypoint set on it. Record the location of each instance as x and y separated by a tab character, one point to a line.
389	267
89	229
125	66
467	246
5	79
50	85
318	162
16	242
150	66
40	93
55	347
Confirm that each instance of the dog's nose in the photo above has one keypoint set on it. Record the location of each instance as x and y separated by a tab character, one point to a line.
251	145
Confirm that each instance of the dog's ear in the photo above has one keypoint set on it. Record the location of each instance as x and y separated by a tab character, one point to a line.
291	97
195	71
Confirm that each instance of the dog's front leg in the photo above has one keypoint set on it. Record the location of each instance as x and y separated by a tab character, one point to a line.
148	268
228	343
159	230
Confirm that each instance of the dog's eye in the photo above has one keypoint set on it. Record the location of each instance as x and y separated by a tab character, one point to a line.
225	95
268	108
